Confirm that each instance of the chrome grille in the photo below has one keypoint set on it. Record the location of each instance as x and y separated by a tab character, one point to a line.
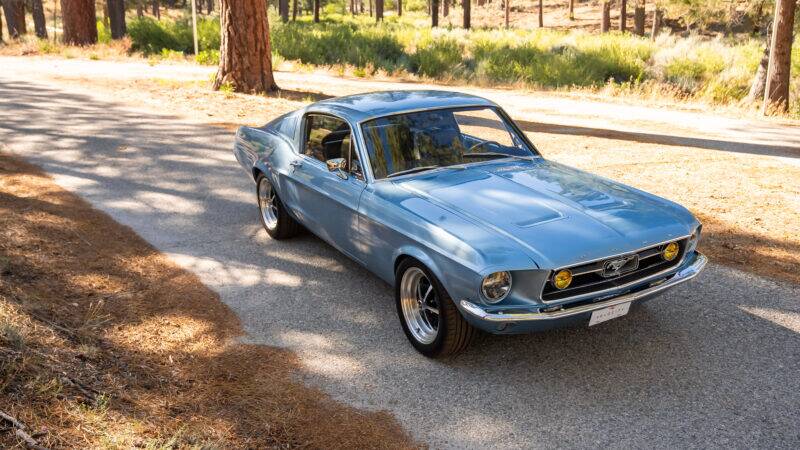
613	272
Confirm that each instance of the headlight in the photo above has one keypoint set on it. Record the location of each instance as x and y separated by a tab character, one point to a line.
496	286
670	251
562	279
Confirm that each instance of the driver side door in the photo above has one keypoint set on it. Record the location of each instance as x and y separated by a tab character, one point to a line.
327	200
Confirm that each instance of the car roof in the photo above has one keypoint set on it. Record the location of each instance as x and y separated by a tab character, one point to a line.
376	104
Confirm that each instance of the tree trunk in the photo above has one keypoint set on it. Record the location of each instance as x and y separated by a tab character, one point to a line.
541	14
378	10
209	6
116	15
157	10
658	17
623	16
776	96
11	10
571	9
78	20
283	9
759	85
245	58
37	11
508	12
294	10
434	13
139	10
316	11
605	21
638	18
1	23
399	8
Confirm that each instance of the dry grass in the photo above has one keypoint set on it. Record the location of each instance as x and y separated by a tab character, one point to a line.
106	343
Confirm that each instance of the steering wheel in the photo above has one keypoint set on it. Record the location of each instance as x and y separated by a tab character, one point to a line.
481	144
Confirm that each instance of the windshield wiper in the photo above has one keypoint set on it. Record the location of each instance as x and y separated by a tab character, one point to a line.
495	155
413	170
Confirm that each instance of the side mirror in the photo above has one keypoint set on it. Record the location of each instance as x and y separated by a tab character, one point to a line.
338	165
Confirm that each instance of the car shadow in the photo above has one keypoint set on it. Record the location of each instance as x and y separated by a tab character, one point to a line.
711	363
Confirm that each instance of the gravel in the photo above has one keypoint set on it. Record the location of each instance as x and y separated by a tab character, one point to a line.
714	363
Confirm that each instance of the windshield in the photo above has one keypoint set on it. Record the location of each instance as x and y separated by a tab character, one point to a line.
413	142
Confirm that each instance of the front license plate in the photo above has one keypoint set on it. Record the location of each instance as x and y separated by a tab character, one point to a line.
612	312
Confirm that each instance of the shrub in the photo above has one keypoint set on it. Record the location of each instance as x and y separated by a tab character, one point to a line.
151	36
208	57
436	57
103	33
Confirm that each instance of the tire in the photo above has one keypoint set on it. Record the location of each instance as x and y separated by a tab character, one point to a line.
273	215
433	335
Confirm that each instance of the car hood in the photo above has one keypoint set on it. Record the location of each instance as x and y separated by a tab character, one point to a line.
558	215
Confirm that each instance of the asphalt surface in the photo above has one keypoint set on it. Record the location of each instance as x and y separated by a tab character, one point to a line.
713	363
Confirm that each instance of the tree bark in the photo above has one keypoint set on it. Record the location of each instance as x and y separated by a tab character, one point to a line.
399	8
283	10
571	9
638	18
605	18
294	10
541	14
11	9
467	6
78	21
139	10
245	58
759	85
157	10
623	16
209	6
434	13
1	23
508	12
116	16
378	10
39	24
776	96
316	11
658	17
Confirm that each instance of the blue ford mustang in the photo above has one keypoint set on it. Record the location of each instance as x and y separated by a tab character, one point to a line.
441	195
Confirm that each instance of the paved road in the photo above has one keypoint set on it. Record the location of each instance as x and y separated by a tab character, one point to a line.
715	363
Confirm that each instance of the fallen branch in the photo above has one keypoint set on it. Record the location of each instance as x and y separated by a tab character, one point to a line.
29	441
12	420
19	431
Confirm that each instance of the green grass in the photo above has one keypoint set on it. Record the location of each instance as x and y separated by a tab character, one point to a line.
714	70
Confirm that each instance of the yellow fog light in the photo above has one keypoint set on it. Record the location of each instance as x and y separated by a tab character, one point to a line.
562	279
670	251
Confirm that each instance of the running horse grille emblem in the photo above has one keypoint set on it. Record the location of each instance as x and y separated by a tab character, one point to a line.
619	266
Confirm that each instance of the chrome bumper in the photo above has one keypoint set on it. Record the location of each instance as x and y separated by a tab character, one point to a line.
684	274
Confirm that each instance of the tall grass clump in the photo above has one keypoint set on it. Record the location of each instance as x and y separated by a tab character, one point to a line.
437	57
151	36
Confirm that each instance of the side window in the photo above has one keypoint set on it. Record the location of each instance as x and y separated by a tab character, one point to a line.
328	137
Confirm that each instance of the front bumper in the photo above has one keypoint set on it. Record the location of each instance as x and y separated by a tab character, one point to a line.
520	322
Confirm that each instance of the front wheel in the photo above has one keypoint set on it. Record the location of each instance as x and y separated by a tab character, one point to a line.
430	319
274	217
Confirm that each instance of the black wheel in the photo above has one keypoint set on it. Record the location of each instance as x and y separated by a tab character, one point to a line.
278	223
428	315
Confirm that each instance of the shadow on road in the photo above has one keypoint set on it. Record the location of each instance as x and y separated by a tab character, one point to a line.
712	363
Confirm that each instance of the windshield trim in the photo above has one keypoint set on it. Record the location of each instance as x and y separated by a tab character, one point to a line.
362	140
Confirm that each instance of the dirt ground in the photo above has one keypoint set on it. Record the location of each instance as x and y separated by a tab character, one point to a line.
105	343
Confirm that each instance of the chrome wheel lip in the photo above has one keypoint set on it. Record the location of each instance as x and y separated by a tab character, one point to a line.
420	305
267	204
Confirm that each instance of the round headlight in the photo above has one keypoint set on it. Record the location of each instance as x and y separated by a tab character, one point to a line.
496	286
562	279
670	251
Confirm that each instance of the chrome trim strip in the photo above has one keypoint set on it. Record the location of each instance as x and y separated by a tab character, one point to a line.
599	293
681	276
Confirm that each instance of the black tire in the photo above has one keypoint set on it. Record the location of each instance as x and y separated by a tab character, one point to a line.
454	334
283	226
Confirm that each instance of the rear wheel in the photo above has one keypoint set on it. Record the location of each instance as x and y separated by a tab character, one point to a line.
430	319
274	217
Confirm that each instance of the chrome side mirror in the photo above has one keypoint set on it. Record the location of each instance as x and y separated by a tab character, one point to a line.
338	165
